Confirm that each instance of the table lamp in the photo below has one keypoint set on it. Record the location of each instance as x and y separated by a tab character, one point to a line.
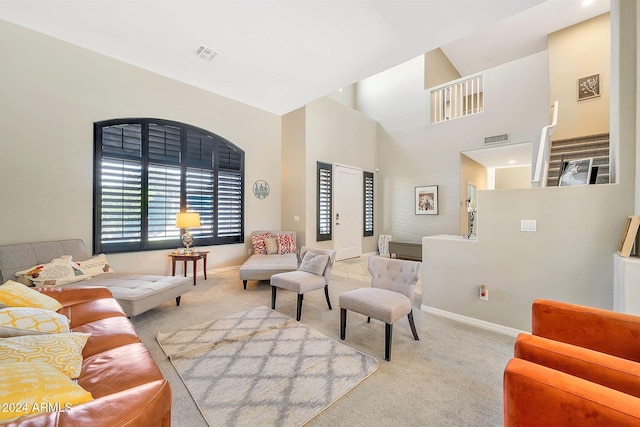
187	220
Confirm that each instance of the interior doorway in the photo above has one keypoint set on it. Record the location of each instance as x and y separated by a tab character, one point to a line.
347	207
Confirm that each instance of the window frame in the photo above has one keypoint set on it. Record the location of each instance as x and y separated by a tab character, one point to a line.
324	196
222	158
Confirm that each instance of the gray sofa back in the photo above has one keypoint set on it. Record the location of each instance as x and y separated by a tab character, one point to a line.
20	256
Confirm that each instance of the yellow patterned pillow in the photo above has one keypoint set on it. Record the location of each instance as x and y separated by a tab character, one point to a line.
29	388
62	351
17	321
14	294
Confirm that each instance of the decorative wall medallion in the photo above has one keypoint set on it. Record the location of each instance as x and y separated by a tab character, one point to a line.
261	189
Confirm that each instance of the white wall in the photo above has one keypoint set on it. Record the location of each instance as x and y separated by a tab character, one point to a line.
569	258
415	153
52	92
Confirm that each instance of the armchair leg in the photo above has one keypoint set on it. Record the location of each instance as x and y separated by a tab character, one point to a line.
299	311
244	284
326	294
413	325
388	336
178	300
273	297
343	323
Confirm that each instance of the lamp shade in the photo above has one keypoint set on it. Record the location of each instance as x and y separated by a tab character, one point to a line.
187	220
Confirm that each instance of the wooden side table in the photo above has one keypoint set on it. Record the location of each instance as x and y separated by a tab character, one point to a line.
193	256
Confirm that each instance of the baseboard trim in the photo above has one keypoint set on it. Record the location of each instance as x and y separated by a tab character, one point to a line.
472	321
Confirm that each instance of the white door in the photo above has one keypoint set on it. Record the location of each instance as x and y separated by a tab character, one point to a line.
347	211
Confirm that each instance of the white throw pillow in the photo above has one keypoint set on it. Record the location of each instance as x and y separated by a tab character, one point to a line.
59	271
314	263
95	266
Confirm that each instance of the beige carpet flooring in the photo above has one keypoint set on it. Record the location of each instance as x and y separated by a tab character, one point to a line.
451	377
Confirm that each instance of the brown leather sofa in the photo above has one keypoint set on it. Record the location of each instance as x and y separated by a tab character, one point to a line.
579	367
125	382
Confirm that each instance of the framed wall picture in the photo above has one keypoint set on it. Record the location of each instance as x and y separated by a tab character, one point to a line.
576	172
427	200
588	87
629	237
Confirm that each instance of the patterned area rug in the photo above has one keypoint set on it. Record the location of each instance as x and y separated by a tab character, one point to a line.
259	367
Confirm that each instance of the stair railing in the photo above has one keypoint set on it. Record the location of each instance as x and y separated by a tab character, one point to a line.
544	149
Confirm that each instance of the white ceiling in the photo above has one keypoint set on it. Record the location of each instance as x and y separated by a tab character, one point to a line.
278	55
501	156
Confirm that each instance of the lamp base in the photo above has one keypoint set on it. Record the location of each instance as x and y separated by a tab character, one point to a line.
187	241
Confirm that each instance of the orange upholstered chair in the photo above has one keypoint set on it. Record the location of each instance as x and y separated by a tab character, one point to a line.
579	367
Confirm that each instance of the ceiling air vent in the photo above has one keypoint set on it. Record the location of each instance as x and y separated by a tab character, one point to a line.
205	52
497	139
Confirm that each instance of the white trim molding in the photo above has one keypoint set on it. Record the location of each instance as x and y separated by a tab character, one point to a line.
472	321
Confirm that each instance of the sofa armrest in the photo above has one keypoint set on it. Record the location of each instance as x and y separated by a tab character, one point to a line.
76	295
535	395
610	371
601	330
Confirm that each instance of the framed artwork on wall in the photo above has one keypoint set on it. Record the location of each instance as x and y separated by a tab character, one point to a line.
427	200
588	87
576	172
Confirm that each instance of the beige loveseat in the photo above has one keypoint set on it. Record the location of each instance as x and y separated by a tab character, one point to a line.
136	293
262	266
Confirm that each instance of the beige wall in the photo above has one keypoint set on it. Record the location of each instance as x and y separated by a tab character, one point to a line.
438	69
336	133
515	177
474	173
294	176
580	51
52	92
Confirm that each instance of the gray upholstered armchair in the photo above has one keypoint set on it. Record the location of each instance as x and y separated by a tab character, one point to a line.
390	297
314	273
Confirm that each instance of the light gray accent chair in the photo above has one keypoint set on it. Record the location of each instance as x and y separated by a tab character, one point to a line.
390	297
303	281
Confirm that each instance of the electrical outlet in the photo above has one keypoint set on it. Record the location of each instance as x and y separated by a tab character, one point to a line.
484	293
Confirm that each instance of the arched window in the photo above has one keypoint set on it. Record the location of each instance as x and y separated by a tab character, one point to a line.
148	170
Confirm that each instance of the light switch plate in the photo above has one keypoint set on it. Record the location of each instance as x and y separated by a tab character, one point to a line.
528	225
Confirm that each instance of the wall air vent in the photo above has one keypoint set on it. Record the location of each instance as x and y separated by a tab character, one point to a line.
497	139
205	52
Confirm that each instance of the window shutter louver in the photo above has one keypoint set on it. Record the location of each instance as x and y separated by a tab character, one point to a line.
121	201
148	170
200	199
229	157
368	204
230	190
200	149
164	144
122	141
163	202
324	208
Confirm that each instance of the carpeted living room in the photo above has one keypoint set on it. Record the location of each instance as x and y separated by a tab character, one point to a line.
145	145
452	376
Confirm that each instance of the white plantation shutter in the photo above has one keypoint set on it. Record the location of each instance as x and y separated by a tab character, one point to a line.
148	170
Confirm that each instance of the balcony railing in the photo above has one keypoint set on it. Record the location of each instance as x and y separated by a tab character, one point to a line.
459	98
